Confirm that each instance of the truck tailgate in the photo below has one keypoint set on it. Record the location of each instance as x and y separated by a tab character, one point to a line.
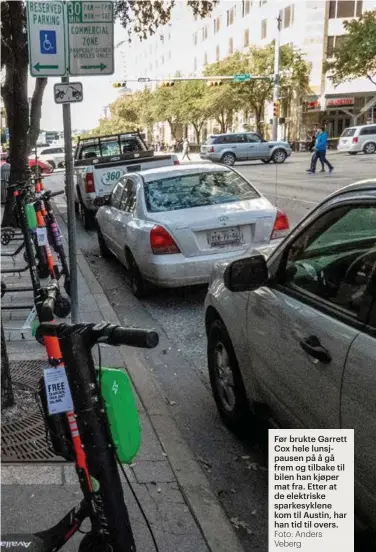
106	175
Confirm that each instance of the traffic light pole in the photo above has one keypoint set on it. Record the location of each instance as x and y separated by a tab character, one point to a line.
178	79
276	76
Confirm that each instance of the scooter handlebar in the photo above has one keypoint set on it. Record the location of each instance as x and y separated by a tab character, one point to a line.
145	339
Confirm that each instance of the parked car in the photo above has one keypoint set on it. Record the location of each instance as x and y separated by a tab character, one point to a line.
54	156
358	138
229	148
101	161
292	330
168	226
44	167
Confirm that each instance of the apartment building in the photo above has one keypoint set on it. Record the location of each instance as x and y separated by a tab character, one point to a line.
188	44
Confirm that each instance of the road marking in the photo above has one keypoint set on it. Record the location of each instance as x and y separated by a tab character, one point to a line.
294	199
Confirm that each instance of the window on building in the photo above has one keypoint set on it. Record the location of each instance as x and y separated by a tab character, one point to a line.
162	60
205	58
246	38
169	55
339	9
217	24
217	53
333	43
230	16
264	28
230	45
287	17
195	64
247	7
195	39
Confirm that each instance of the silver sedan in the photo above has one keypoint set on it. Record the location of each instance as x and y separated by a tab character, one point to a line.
293	337
169	226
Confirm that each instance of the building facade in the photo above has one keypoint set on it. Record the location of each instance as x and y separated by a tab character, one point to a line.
188	44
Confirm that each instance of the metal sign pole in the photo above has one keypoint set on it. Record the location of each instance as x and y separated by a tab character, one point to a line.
69	190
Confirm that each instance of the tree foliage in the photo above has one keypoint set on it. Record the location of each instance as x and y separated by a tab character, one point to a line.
357	55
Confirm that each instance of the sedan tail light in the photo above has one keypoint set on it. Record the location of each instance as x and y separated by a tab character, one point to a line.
355	140
161	242
281	226
89	183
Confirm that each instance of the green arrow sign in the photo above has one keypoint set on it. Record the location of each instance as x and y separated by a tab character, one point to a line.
101	66
38	67
242	77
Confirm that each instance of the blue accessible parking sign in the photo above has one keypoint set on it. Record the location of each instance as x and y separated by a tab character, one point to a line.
47	41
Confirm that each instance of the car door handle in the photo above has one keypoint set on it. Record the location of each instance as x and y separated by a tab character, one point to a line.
313	347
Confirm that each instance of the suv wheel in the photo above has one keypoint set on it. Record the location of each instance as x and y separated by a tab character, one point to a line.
228	159
225	379
279	156
369	148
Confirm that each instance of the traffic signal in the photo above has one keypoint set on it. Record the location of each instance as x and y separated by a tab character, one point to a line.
215	83
167	84
121	84
277	108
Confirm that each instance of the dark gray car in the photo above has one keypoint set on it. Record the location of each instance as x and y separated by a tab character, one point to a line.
229	148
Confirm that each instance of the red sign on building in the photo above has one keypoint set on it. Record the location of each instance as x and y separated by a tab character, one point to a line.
340	102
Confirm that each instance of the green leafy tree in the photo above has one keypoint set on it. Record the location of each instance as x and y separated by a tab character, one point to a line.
193	105
166	107
357	55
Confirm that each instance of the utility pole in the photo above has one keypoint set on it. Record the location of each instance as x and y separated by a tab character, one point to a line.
276	75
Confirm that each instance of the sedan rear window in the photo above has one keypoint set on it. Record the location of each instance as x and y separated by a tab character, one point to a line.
196	190
348	132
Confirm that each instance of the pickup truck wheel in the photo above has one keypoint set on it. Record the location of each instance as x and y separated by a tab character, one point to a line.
88	218
104	251
137	281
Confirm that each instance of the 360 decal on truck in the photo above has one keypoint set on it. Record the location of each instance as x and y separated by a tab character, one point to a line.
100	162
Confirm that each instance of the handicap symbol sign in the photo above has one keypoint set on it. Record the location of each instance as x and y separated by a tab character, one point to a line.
47	41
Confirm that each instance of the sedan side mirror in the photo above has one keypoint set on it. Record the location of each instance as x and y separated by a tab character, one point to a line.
246	274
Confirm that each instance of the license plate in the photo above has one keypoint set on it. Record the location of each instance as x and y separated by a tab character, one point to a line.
225	236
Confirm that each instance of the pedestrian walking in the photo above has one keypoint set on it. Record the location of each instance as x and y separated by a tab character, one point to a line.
186	149
321	146
316	131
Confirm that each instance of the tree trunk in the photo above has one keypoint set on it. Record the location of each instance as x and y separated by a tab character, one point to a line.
172	126
23	133
258	121
221	119
198	128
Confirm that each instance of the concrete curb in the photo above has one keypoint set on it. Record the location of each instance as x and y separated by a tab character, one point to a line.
216	529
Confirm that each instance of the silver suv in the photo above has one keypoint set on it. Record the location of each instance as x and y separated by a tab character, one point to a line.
229	148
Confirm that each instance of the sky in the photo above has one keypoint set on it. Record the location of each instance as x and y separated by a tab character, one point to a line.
98	92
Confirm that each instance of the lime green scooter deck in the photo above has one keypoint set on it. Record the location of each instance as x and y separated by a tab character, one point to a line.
121	408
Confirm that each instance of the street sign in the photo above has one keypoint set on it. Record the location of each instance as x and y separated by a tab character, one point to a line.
46	38
143	79
242	77
68	92
91	38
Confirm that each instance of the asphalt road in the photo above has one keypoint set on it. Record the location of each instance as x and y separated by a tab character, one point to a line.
236	470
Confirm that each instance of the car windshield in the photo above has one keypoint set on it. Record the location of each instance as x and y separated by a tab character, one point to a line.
196	190
348	132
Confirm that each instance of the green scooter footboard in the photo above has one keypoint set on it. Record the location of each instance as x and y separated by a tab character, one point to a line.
121	408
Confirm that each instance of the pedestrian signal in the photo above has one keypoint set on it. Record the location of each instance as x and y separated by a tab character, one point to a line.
215	83
167	84
121	84
277	108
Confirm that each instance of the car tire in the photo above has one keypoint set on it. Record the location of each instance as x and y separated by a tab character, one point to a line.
279	156
226	381
136	280
104	251
52	164
266	160
369	148
228	159
353	152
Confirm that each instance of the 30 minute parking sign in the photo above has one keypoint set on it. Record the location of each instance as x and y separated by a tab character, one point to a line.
70	38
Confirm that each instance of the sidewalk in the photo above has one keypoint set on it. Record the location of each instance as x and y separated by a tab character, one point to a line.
174	492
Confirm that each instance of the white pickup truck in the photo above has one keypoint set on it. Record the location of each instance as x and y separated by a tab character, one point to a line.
101	161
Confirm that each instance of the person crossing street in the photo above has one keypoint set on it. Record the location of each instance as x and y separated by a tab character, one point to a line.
186	149
321	146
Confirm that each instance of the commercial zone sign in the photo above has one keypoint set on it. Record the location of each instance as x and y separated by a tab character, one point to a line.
91	38
73	38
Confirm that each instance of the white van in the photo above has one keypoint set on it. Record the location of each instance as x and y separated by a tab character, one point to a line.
358	138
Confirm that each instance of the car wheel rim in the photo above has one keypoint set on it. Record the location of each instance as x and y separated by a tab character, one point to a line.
370	148
228	160
224	378
279	156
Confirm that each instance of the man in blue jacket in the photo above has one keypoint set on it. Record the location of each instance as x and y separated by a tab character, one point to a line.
320	148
